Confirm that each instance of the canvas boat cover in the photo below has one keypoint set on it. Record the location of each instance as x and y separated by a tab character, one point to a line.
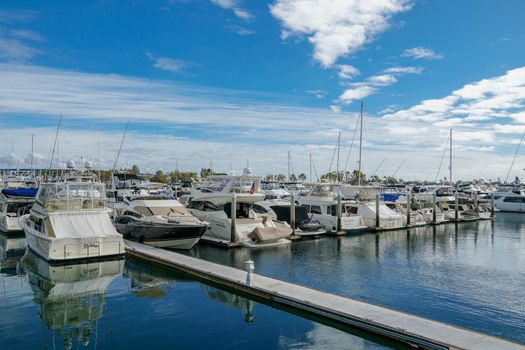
262	234
85	224
20	192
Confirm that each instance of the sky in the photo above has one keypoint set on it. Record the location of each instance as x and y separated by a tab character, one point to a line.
226	83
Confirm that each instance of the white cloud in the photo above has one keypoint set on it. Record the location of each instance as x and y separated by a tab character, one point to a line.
168	64
347	72
382	80
422	52
336	28
317	93
226	125
234	5
403	70
355	94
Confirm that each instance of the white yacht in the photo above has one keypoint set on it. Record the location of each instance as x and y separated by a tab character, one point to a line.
70	220
144	211
400	207
321	204
426	194
211	200
273	190
17	194
510	199
365	206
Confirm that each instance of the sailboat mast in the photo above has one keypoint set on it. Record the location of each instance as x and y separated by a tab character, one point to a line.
360	144
338	148
450	165
289	166
310	157
32	152
54	145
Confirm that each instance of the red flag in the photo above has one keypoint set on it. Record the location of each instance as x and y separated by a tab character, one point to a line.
252	189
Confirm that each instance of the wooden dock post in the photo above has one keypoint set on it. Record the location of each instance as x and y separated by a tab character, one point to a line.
409	194
434	208
456	207
233	227
339	214
492	205
378	224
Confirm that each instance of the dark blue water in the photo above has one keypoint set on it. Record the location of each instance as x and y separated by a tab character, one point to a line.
127	304
471	274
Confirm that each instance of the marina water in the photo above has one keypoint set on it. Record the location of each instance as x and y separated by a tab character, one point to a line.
470	274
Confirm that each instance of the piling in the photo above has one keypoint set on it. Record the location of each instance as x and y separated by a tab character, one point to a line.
456	207
339	214
476	204
292	212
233	228
409	194
378	224
434	208
492	204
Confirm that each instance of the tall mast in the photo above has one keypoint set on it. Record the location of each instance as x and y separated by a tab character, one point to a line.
55	144
32	152
360	144
338	148
310	156
450	166
119	150
289	166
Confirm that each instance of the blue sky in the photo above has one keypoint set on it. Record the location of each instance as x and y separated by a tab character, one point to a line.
231	81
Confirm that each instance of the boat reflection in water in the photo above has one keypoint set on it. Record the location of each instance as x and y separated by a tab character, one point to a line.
148	280
12	249
71	297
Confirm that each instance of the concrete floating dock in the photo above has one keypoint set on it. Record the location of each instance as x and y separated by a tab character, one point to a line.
416	331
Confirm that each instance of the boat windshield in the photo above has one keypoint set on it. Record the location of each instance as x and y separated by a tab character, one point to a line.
163	211
72	196
325	190
270	186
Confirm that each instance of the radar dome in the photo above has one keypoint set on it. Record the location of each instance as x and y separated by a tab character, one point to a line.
70	164
247	171
88	164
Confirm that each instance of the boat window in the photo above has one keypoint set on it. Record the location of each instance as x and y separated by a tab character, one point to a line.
209	206
351	210
130	213
259	209
514	199
14	207
329	209
315	209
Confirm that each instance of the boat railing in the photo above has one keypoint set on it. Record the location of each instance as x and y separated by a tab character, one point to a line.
72	196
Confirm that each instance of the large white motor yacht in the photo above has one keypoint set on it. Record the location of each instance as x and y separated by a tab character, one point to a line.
510	199
321	204
70	220
211	200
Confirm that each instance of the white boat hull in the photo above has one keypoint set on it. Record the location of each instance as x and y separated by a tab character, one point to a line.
62	249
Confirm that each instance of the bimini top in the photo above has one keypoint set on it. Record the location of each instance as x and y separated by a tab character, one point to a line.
72	196
20	192
228	184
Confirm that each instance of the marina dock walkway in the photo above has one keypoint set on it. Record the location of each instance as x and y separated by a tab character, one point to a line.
406	328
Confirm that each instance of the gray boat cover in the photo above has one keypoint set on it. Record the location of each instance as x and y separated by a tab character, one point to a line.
261	234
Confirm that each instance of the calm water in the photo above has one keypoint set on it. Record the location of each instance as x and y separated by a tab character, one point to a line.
471	276
127	304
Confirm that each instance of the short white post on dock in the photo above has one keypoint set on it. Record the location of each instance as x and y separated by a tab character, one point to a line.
292	212
492	205
233	214
434	208
456	207
409	194
249	266
378	224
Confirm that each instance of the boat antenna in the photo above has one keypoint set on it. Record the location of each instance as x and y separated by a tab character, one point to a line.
338	149
119	149
32	151
54	144
442	157
11	153
515	155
